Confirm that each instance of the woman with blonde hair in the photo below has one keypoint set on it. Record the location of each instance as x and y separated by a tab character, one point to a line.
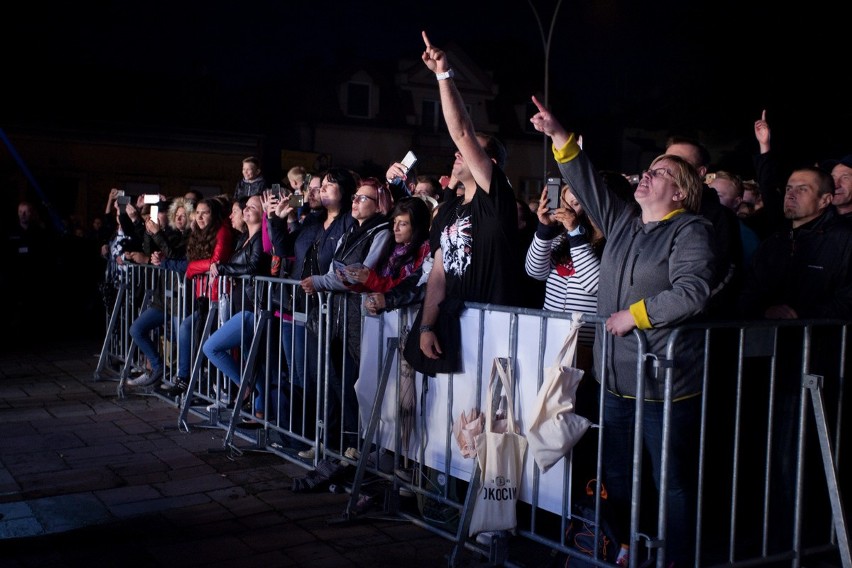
657	270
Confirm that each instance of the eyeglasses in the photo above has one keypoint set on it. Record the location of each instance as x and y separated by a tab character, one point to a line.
658	172
361	198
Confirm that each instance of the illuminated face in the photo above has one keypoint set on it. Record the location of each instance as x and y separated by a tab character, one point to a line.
250	171
842	176
181	219
330	194
727	190
365	202
802	203
314	199
203	216
568	200
236	217
254	210
657	187
402	229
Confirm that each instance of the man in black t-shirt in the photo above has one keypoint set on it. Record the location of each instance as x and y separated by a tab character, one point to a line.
474	236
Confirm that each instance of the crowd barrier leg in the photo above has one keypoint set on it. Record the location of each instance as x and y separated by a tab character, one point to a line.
105	356
392	349
195	371
813	385
128	357
464	525
246	386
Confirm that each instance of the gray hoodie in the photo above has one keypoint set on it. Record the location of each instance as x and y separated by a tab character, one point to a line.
667	263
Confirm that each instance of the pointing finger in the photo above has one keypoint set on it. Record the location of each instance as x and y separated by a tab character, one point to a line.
763	115
426	39
538	104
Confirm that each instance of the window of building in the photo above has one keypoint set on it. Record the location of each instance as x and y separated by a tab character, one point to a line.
431	115
358	100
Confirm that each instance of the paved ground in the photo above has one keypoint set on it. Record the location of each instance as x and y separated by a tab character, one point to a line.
90	479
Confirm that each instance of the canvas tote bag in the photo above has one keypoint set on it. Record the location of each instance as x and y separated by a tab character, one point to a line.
554	426
500	456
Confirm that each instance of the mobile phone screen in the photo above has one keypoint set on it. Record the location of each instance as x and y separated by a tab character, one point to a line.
554	188
409	160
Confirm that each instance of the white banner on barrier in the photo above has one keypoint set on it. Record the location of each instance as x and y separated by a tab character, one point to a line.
449	395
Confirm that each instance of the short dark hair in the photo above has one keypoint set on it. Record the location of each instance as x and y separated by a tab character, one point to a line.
825	183
703	152
494	149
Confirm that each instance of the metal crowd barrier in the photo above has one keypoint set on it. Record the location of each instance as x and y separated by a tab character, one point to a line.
406	448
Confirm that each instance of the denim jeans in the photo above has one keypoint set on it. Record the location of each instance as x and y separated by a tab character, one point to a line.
294	332
237	332
186	342
683	466
140	331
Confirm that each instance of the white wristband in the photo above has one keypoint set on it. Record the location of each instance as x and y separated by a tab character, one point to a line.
448	74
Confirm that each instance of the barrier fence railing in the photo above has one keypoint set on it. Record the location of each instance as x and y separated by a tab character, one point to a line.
772	393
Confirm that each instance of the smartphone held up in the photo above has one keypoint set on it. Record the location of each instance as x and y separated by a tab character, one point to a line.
554	190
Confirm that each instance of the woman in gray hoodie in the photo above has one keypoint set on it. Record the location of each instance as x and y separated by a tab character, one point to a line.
656	272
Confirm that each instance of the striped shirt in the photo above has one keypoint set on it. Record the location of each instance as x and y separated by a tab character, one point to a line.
575	293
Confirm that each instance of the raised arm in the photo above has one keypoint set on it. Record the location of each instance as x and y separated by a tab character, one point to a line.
459	124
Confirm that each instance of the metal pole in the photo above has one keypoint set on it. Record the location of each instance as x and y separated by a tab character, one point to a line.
545	42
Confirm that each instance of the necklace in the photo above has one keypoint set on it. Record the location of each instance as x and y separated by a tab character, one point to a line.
461	208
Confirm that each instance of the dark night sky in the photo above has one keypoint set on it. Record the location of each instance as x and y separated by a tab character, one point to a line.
672	65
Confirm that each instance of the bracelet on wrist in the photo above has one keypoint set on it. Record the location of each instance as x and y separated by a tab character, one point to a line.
426	328
448	74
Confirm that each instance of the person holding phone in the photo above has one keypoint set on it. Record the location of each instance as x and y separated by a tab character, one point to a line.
565	253
368	241
309	247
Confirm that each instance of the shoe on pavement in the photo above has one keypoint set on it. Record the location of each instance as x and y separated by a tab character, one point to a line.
146	379
309	454
224	396
181	385
352	454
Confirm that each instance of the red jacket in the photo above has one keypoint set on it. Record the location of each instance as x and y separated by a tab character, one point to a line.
221	253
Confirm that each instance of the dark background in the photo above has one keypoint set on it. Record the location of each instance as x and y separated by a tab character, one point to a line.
702	68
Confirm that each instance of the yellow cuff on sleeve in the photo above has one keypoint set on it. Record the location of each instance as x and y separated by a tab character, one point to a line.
568	152
640	315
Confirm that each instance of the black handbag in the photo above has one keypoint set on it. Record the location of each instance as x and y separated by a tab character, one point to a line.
447	328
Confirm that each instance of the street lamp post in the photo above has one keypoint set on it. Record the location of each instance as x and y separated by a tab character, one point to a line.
545	42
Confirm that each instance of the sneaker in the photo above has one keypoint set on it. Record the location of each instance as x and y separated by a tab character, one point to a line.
488	537
146	379
352	453
134	381
181	385
309	454
224	397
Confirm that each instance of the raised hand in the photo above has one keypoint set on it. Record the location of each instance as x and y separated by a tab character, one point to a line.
762	132
545	122
434	58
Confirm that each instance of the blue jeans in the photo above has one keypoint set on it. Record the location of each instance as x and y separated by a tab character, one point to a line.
186	340
295	333
140	331
236	332
683	466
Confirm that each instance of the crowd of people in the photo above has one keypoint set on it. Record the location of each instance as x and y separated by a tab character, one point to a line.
682	243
